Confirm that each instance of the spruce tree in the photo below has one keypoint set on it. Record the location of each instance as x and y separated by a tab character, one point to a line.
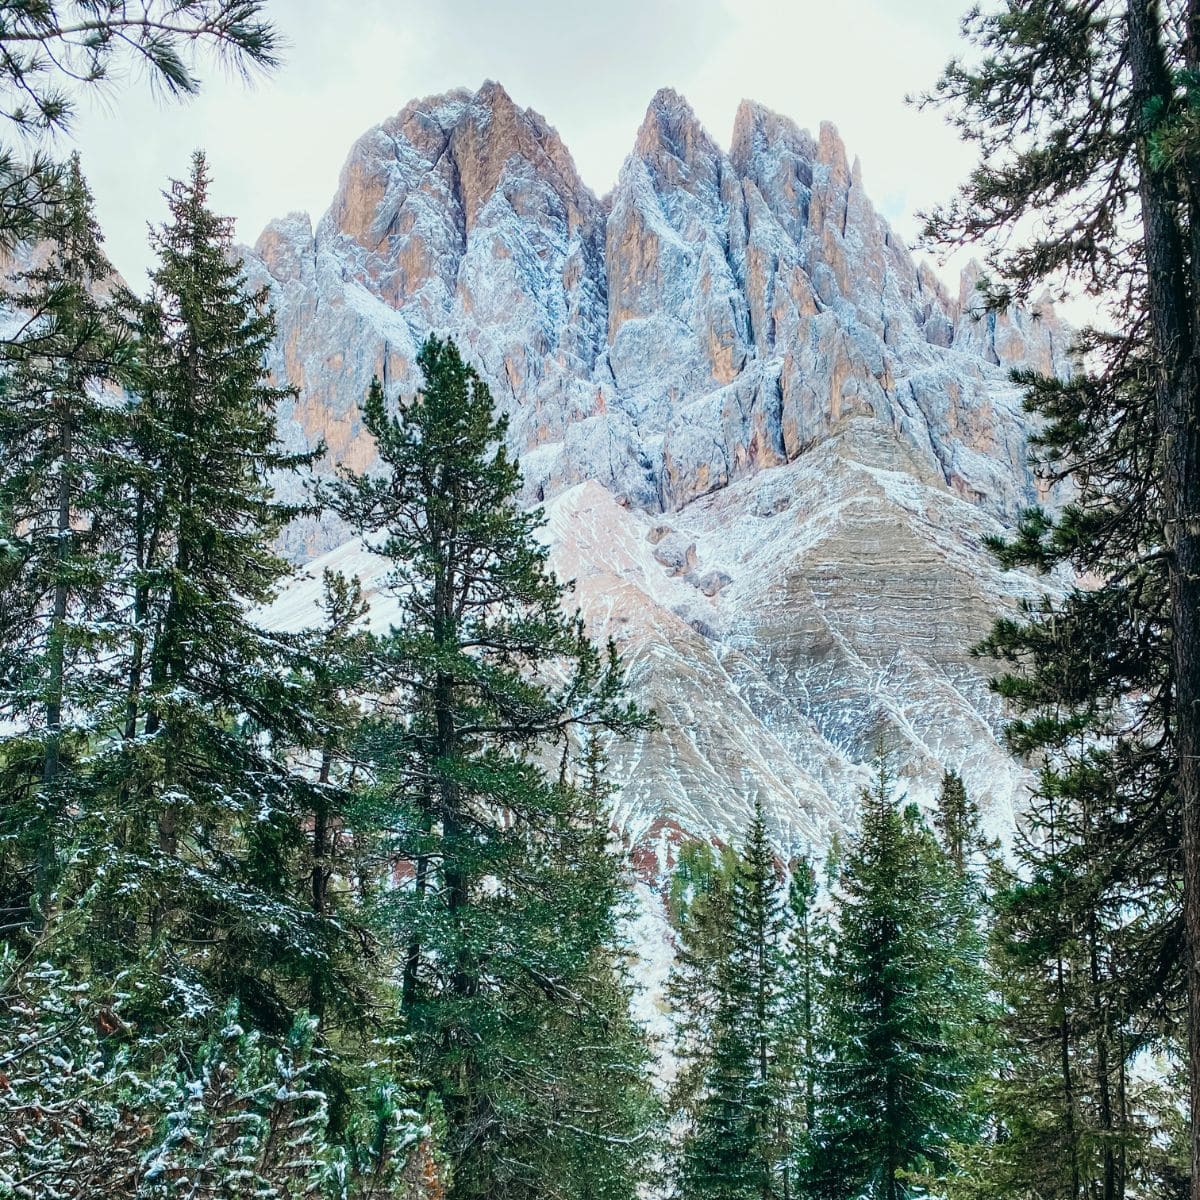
511	899
343	842
59	439
1090	678
759	957
215	829
835	856
803	951
731	1147
722	1156
701	903
193	813
958	823
602	1057
898	1003
1071	1116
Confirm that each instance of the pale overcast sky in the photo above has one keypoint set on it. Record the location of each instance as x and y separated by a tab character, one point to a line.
590	69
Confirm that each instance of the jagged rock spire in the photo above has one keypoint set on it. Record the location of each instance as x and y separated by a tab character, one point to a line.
717	315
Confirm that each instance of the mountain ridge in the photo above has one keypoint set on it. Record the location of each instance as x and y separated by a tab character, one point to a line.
729	346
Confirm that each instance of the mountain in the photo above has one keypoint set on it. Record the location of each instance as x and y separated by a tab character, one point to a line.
769	442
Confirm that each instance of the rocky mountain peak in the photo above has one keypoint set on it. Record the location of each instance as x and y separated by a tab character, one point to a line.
774	155
831	152
282	244
758	130
673	143
717	316
499	147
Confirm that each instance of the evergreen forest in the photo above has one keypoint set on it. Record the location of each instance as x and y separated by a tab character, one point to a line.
342	912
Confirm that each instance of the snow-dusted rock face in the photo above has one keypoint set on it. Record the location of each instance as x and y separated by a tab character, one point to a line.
770	442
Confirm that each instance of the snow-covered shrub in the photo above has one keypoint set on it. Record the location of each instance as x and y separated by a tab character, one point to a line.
90	1110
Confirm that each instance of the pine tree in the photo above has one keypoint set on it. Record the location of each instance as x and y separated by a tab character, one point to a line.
511	897
69	1107
244	1120
701	903
58	438
54	50
795	1038
732	1147
94	1108
1084	116
897	1006
194	809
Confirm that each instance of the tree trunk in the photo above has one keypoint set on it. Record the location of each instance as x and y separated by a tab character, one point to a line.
455	871
1101	1028
320	872
1068	1084
453	832
1178	428
56	669
412	957
809	1072
1063	1033
1101	1025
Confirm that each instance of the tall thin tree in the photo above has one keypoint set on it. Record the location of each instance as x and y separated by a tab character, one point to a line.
60	432
1084	114
512	897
